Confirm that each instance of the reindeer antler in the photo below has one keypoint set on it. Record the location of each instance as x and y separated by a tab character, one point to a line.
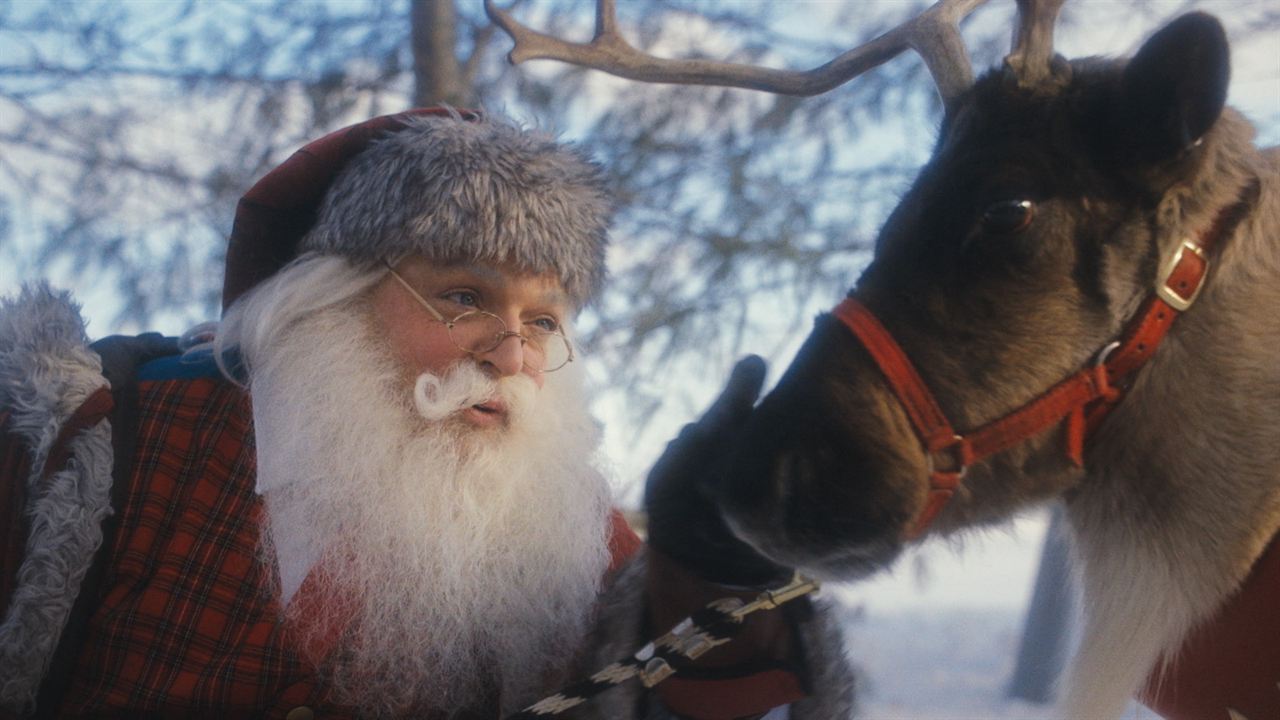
1032	59
934	35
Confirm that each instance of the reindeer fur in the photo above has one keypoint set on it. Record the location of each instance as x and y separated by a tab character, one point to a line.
1180	491
1184	489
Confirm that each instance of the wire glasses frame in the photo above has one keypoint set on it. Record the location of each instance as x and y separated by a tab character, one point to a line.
478	331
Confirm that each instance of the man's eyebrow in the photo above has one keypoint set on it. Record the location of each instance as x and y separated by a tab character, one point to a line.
552	292
453	272
558	297
484	272
551	296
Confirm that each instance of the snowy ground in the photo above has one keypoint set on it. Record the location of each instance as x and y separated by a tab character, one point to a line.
949	664
937	638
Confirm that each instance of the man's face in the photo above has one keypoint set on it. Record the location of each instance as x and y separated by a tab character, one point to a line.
432	516
421	343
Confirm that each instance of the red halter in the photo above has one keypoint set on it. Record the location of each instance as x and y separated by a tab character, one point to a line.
1084	398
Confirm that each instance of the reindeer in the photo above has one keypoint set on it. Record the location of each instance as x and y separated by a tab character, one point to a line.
1079	298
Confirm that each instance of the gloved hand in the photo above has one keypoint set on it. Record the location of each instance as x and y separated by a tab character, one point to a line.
122	355
684	522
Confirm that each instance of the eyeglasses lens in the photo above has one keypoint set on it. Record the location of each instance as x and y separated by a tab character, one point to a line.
480	332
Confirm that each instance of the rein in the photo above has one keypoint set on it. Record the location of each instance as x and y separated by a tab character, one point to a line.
1084	399
712	626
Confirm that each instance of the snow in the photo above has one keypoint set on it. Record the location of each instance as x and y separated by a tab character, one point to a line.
936	637
943	664
949	664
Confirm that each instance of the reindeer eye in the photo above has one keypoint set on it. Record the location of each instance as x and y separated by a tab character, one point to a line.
1008	216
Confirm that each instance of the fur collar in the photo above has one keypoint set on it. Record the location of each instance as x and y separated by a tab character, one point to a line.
46	372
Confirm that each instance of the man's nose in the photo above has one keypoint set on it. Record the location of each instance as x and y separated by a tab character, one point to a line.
507	358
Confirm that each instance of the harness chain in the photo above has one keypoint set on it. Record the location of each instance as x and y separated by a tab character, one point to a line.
713	625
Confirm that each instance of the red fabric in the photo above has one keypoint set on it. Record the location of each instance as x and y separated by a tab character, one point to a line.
272	217
308	601
1233	660
747	696
624	543
184	625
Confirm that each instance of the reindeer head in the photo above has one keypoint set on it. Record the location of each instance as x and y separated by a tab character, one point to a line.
1022	250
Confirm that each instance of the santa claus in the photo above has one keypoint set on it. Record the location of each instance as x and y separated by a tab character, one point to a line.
372	490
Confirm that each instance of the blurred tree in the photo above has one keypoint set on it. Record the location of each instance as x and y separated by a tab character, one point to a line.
128	131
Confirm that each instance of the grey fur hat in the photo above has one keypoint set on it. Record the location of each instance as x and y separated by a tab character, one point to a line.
480	189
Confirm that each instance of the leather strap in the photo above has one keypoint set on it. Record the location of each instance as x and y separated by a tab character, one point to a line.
93	410
930	423
1083	399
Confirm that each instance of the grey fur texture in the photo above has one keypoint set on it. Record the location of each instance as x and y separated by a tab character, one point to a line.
1184	492
617	634
46	372
471	191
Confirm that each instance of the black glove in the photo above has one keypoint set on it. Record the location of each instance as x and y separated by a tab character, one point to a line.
684	522
122	355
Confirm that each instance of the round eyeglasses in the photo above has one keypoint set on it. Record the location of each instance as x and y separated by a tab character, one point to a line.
477	332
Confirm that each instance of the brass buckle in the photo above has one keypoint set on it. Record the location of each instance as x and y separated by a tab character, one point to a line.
955	459
1168	294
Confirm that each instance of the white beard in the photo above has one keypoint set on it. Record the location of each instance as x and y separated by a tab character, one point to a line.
465	558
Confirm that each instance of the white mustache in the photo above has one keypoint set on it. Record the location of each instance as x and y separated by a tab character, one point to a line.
436	397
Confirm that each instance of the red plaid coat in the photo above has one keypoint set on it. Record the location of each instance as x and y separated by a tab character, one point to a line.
184	625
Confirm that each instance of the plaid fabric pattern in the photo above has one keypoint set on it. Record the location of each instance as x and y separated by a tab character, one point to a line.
185	626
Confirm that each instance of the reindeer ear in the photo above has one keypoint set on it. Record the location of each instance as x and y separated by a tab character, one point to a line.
1174	89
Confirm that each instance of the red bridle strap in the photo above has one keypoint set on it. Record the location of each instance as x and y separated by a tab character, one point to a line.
930	423
1083	399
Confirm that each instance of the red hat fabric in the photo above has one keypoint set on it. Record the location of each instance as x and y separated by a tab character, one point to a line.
272	217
